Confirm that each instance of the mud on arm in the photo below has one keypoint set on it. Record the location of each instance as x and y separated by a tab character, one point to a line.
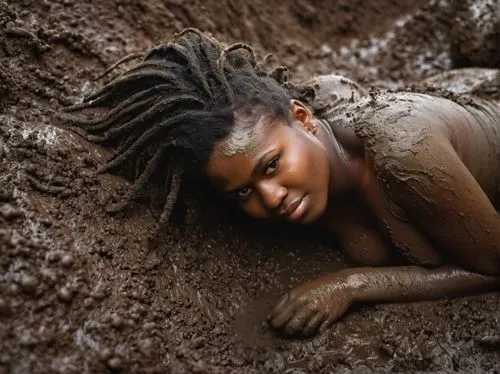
314	306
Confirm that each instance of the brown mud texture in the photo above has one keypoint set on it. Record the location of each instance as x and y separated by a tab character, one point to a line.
85	291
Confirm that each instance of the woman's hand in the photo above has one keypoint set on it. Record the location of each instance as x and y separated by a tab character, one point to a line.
313	306
316	305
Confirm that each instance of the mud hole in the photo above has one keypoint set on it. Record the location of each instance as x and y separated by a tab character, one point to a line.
83	291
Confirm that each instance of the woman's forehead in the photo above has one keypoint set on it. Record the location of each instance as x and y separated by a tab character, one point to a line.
246	135
242	140
229	169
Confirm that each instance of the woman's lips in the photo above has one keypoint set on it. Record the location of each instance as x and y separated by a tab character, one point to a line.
298	208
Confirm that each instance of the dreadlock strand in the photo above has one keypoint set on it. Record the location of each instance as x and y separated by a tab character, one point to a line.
148	134
105	95
171	198
246	47
79	131
156	109
121	83
193	65
153	65
212	54
159	65
140	182
121	157
218	70
189	30
130	57
222	65
121	111
125	108
108	123
86	104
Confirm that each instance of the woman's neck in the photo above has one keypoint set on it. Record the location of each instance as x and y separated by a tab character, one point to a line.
346	155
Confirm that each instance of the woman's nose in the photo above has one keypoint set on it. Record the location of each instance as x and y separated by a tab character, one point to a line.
272	194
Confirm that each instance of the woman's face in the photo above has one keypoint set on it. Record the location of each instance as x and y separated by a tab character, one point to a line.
284	175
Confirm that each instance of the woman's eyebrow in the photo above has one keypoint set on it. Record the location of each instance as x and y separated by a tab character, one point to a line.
258	165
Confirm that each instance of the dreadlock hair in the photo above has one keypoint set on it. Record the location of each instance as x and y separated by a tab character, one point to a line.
164	115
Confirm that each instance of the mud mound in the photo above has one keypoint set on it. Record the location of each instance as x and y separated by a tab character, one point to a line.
85	291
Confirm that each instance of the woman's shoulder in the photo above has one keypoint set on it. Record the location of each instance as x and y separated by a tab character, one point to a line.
392	125
385	115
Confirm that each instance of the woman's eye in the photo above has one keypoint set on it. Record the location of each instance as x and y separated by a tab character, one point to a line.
272	166
244	192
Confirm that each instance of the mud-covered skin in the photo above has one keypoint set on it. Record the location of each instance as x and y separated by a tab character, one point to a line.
424	151
314	306
430	196
439	162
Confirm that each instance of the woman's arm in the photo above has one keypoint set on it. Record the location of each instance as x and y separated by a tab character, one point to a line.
316	305
411	283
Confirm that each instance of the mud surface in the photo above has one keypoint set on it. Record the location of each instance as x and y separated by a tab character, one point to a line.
83	291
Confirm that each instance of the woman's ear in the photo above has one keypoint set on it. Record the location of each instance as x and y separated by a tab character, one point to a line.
303	115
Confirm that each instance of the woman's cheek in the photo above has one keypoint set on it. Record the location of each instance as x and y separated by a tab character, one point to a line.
253	208
295	168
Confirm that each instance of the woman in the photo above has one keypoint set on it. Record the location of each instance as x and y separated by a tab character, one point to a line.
384	172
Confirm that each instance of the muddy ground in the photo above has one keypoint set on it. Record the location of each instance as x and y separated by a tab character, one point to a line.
83	291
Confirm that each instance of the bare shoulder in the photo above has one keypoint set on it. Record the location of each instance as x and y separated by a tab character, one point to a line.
399	128
393	124
400	121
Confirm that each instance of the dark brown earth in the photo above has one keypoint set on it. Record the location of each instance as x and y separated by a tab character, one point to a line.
82	291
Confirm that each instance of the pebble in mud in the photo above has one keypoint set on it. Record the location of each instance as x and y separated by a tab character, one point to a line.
13	289
53	256
29	283
67	260
149	326
99	293
105	354
198	342
4	359
88	302
116	321
115	364
8	212
65	294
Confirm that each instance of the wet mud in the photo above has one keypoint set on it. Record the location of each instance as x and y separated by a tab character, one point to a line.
85	291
